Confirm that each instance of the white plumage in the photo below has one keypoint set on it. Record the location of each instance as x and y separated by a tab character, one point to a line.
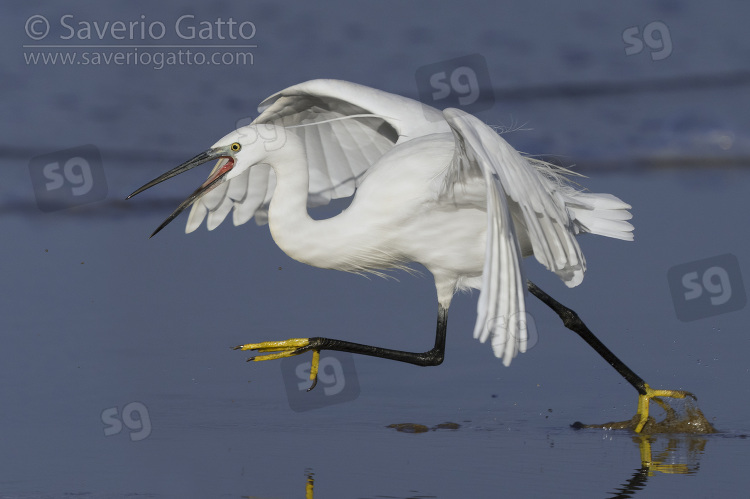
438	188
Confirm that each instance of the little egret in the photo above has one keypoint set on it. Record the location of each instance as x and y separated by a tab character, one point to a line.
441	189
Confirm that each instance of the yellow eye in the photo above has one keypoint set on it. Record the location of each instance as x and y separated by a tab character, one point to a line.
235	147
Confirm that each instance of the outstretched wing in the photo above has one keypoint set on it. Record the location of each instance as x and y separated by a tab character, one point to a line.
345	127
514	187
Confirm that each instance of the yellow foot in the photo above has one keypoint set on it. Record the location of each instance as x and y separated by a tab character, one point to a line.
285	348
643	402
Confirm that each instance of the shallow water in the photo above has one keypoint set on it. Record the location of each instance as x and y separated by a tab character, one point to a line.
116	373
118	377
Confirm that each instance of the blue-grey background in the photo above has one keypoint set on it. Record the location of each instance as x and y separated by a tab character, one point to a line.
115	374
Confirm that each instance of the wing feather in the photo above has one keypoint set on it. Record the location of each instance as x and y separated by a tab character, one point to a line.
513	185
346	128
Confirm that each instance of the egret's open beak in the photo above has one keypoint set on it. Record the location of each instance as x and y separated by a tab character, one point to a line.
226	163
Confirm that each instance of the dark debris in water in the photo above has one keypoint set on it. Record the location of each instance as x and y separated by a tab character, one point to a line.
688	419
409	427
446	426
420	428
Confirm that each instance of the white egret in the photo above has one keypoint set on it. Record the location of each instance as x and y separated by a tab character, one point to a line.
438	188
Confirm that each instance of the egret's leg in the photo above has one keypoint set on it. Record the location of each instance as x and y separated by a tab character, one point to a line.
296	346
574	323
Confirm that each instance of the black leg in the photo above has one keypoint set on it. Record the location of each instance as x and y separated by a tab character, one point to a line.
295	346
574	323
432	357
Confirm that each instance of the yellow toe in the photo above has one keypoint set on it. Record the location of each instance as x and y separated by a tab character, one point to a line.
275	346
644	399
286	348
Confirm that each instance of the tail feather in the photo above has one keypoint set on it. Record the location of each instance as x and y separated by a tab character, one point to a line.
601	214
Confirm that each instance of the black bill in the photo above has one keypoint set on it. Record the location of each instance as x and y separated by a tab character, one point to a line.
224	167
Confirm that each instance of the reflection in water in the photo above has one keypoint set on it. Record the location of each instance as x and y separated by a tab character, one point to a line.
679	455
669	453
309	483
672	455
629	488
668	446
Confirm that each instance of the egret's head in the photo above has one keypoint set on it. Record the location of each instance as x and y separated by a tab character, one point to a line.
236	152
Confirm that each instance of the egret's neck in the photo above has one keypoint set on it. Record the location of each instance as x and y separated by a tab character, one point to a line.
291	226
